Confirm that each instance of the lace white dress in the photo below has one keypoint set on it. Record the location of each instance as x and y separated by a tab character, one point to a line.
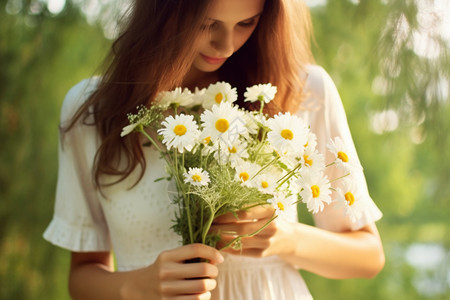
135	223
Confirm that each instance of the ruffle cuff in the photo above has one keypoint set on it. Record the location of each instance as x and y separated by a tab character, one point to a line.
370	215
84	239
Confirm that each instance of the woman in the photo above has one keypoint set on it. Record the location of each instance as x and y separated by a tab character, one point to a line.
107	197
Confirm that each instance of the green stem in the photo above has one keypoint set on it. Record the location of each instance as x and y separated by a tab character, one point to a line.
255	205
188	213
288	175
175	156
335	179
262	106
261	144
153	143
249	234
182	161
202	207
186	196
164	155
265	167
208	225
330	164
176	174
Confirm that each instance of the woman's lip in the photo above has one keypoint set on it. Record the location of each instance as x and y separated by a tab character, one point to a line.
213	60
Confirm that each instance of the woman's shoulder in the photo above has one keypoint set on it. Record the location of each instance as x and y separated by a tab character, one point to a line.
77	95
317	80
317	89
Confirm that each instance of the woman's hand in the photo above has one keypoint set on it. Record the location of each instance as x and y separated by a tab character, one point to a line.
92	276
171	278
267	242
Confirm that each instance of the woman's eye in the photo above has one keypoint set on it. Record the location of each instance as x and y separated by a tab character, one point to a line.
209	26
247	23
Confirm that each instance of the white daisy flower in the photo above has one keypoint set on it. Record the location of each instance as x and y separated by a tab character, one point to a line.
315	190
180	132
349	197
196	176
233	154
178	96
313	159
198	96
245	172
208	147
265	183
253	121
343	159
288	134
260	92
223	124
312	141
284	206
217	93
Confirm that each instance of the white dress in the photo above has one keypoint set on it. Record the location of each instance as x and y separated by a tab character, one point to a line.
135	223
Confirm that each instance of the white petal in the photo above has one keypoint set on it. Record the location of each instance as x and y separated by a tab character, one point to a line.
128	129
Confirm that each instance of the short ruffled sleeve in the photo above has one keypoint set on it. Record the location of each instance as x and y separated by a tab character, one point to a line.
324	112
78	222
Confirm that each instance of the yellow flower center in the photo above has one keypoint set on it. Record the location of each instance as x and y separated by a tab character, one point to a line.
196	178
265	184
343	156
307	160
287	134
180	130
222	125
315	191
232	149
207	140
350	198
280	206
219	98
244	176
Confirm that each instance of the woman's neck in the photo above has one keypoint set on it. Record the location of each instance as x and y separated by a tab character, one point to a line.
195	78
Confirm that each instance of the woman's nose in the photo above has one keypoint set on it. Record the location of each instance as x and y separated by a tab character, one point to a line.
222	41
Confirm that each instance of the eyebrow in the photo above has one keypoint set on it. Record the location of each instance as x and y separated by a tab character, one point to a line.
248	19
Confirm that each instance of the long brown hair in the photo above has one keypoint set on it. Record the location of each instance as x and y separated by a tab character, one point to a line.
277	52
155	51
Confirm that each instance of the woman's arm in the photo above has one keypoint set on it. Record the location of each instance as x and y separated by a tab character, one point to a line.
92	276
352	254
336	255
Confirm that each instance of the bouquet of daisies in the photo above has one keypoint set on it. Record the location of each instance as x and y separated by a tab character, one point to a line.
224	159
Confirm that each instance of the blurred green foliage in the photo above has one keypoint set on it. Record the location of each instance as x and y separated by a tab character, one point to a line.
358	45
42	55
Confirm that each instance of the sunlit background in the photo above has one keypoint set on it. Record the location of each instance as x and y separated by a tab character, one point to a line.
390	60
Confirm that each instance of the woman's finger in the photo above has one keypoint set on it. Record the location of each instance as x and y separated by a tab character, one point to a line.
204	296
188	287
254	213
250	252
192	251
174	271
246	243
240	228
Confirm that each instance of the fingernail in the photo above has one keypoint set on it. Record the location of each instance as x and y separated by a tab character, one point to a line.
221	259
